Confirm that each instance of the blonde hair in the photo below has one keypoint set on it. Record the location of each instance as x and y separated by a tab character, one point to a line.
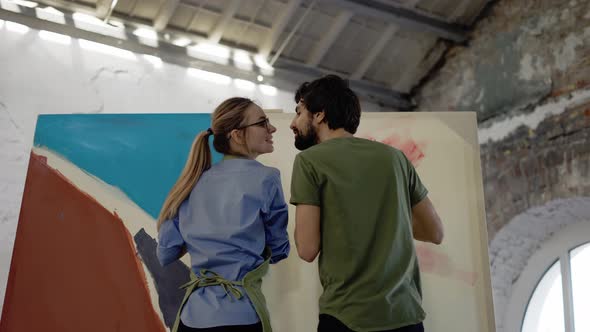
228	116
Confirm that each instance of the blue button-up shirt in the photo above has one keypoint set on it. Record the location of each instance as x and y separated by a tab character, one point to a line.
236	209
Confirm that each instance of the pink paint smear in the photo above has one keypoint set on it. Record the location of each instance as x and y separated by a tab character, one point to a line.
440	264
412	149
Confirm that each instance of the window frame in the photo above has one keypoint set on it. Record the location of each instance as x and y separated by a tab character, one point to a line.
555	248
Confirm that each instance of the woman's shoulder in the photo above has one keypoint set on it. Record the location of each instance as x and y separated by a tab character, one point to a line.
269	173
252	169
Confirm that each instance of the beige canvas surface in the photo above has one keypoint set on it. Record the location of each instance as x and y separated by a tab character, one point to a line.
456	278
444	149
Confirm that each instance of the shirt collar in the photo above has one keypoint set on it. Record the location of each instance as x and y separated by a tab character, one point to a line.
231	156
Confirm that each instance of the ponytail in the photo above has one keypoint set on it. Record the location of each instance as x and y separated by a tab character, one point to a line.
199	160
227	116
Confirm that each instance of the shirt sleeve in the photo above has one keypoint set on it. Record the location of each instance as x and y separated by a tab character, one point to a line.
275	221
305	187
416	189
170	242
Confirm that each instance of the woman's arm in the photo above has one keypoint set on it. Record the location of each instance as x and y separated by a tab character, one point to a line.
171	245
275	223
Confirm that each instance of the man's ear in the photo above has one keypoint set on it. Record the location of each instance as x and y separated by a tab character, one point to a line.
319	117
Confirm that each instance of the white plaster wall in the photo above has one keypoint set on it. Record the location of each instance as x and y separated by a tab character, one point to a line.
515	243
39	76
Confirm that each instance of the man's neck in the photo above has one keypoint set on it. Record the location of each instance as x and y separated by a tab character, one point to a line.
328	134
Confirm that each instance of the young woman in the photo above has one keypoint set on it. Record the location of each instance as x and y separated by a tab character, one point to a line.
231	218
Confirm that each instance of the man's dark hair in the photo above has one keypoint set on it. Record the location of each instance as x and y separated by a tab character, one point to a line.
332	95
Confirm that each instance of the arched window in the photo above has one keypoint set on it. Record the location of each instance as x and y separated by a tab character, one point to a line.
544	311
553	293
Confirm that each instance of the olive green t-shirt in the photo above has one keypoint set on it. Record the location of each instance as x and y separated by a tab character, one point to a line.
367	264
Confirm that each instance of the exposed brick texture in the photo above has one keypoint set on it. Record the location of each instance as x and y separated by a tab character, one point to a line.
532	167
520	53
524	61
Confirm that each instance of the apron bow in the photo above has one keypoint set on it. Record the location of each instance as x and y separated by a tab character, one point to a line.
210	278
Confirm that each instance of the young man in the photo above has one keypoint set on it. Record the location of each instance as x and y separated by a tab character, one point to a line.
360	204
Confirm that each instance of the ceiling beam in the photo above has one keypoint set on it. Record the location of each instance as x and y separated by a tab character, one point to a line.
328	38
287	73
278	26
103	8
369	91
414	73
164	14
405	18
229	12
294	29
370	57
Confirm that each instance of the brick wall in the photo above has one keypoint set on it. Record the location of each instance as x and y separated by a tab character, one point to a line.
534	166
521	52
526	72
524	55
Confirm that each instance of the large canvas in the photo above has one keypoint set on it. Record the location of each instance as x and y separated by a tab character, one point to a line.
84	256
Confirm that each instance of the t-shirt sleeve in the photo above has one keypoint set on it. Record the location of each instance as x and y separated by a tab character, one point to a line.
305	188
417	190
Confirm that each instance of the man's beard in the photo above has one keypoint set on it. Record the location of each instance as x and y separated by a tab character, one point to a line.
310	139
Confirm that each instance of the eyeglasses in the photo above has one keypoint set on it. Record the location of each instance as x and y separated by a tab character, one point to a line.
262	123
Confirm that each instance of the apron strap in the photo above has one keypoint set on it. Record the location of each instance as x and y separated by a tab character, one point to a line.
210	278
251	283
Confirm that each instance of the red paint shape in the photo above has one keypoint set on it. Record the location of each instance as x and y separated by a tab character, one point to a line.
40	159
412	149
73	266
440	264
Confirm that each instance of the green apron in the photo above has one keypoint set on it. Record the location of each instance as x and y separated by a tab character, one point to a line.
251	283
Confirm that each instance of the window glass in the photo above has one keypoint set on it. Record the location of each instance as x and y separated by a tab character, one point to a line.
580	266
544	312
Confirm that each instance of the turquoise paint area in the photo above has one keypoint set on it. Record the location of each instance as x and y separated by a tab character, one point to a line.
141	154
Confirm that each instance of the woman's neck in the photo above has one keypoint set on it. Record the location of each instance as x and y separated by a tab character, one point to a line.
236	156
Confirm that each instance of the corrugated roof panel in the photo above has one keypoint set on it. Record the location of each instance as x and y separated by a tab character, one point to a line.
299	48
124	7
270	11
402	62
181	17
400	58
86	2
245	33
454	11
249	9
203	21
316	23
387	63
147	10
217	5
419	60
355	41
